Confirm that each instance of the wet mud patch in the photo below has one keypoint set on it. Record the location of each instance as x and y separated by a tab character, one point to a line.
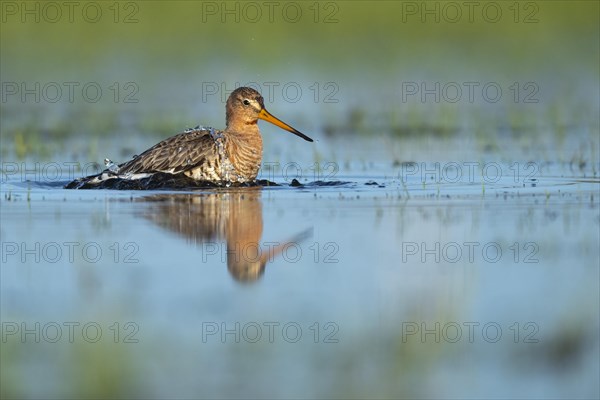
165	181
296	183
158	181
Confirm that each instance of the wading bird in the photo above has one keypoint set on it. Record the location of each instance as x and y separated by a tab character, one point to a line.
232	155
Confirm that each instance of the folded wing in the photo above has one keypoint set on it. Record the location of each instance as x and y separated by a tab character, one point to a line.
178	153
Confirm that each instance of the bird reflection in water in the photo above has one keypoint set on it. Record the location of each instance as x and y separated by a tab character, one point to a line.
233	216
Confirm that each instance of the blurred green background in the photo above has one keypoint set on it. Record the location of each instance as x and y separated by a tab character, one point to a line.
350	59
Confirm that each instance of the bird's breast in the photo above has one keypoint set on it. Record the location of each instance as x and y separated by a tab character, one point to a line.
244	156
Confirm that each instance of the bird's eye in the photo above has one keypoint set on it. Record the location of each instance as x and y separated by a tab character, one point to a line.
246	102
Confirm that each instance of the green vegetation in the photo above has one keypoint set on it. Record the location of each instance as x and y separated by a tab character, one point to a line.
170	57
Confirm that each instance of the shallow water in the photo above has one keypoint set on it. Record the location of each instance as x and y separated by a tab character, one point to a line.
381	279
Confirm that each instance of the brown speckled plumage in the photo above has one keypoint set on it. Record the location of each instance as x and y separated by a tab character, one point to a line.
206	154
179	153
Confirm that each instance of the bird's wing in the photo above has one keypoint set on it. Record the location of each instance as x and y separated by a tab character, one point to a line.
175	154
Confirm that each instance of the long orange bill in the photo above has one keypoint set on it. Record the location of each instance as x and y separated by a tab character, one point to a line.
264	114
